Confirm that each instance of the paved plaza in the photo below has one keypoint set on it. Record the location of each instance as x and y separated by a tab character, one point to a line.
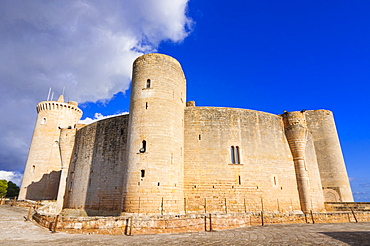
15	231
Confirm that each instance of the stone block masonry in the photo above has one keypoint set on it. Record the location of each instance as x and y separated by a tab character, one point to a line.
172	158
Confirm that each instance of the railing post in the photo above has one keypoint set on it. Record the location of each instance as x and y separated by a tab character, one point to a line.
354	215
313	221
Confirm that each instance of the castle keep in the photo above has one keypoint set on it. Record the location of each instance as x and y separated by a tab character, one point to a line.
169	156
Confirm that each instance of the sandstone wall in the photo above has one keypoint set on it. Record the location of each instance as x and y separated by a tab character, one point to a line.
265	176
96	172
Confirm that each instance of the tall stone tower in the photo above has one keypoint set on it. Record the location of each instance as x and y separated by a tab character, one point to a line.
153	183
333	171
46	157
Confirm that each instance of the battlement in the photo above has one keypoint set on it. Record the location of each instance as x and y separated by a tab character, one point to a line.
54	105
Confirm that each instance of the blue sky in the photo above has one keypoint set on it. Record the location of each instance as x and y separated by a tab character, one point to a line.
257	54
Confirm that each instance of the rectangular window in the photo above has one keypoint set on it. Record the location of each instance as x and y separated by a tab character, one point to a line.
232	154
235	155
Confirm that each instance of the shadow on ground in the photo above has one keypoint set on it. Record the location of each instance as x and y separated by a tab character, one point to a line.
353	238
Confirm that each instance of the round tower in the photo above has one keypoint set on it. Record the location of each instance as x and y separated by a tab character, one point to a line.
43	168
332	168
155	159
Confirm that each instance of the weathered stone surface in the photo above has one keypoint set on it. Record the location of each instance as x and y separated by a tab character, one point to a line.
169	157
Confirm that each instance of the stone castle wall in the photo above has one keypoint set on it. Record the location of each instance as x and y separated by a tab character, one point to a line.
95	177
165	158
264	172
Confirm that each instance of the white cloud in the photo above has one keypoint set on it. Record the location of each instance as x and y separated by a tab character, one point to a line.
15	177
97	117
88	46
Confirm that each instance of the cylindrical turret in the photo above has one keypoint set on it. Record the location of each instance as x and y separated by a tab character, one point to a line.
296	133
333	172
43	168
154	177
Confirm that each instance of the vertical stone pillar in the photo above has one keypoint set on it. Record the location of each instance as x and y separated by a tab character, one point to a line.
296	133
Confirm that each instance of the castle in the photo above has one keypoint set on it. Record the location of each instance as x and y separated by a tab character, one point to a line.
169	156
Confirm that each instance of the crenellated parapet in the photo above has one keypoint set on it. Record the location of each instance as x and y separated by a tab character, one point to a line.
54	105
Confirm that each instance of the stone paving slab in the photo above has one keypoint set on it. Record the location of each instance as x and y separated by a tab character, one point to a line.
15	231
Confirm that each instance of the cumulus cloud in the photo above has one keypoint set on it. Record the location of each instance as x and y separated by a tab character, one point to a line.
15	177
86	46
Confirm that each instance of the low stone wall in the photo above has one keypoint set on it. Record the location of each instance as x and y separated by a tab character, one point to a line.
347	206
137	224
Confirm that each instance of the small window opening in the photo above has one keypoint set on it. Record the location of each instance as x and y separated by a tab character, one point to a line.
143	148
240	180
232	153
159	184
148	83
33	168
200	137
43	121
237	155
146	105
69	127
274	180
142	173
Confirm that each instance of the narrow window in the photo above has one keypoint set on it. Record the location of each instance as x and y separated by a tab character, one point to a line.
146	105
148	83
274	180
232	153
237	155
33	168
159	184
143	148
142	173
200	137
240	180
